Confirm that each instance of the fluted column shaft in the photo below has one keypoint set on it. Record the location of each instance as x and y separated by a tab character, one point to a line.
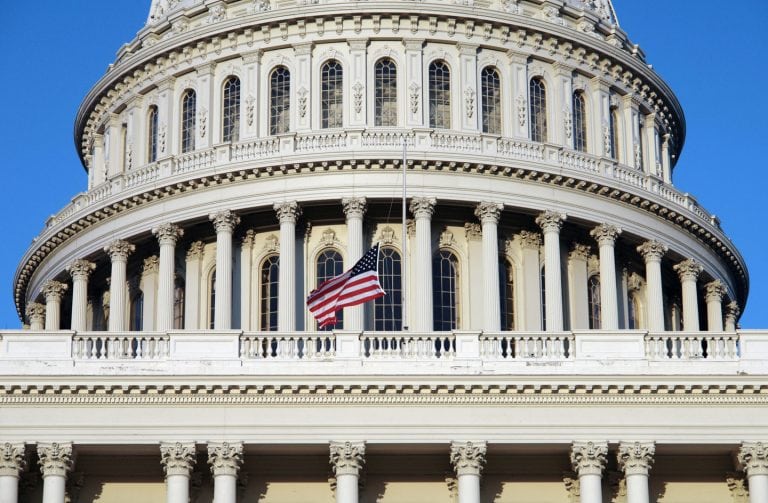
287	214
689	271
224	222
578	283
55	463
635	460
588	460
192	279
177	459
489	214
754	457
118	253
422	318
354	209
609	304
12	463
80	270
468	459
225	460
53	291
347	460
551	223
653	252
715	291
167	235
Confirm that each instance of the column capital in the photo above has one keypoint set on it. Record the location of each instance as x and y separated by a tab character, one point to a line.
13	460
688	270
652	251
287	212
178	458
468	458
423	207
35	310
715	291
530	239
636	458
589	458
225	458
168	233
489	212
347	458
80	269
119	250
754	457
551	221
733	309
55	459
605	234
249	238
580	252
354	207
224	221
151	265
54	290
195	251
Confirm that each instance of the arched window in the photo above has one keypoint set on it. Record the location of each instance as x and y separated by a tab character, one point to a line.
439	95
270	274
212	300
614	133
329	265
279	100
152	131
188	120
178	305
579	122
331	95
388	310
593	302
137	312
385	93
445	280
230	111
538	110
507	288
491	95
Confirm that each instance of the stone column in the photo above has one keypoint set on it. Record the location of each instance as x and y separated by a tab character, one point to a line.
354	209
606	235
652	252
715	291
246	280
578	270
36	316
53	291
118	252
530	242
489	214
192	286
732	312
551	222
225	460
149	279
347	460
55	462
287	213
588	460
689	271
635	461
754	457
422	318
468	460
177	459
224	222
80	270
168	235
12	464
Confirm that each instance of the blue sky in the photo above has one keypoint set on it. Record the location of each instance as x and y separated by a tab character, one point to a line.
711	55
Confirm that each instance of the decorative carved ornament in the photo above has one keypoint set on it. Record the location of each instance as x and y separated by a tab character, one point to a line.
489	212
224	221
551	221
636	458
195	251
329	238
151	264
605	234
347	458
652	251
387	236
688	270
272	244
446	239
119	250
178	458
54	290
423	207
13	460
580	252
55	458
357	96
589	458
468	458
225	458
469	102
530	239
354	207
415	97
250	109
715	291
287	212
168	233
522	110
303	96
473	232
754	457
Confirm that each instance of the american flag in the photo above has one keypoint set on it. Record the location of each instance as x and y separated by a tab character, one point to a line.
356	286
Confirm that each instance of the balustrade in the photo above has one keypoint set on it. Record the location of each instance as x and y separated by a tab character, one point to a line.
509	346
699	346
120	347
404	346
287	347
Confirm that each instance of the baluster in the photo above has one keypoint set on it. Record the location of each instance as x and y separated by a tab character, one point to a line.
539	347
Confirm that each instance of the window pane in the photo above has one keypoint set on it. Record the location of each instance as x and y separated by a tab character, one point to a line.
385	103
188	121
439	95
332	94
491	95
388	310
279	100
270	274
231	110
212	301
445	275
507	291
614	132
579	122
152	134
178	307
594	303
329	265
538	110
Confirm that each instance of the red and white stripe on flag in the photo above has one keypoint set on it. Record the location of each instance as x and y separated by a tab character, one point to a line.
356	286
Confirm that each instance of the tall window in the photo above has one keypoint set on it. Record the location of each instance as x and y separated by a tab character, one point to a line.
507	287
388	310
279	100
137	312
152	132
579	122
385	90
178	306
594	302
212	301
614	133
543	290
331	95
188	120
230	120
445	277
491	94
439	95
538	110
270	274
329	265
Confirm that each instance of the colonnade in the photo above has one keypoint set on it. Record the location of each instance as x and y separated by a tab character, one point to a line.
347	460
489	213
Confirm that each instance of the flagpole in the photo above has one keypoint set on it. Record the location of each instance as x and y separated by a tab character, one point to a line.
404	273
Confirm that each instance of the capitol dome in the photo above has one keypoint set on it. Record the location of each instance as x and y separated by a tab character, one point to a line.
514	161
